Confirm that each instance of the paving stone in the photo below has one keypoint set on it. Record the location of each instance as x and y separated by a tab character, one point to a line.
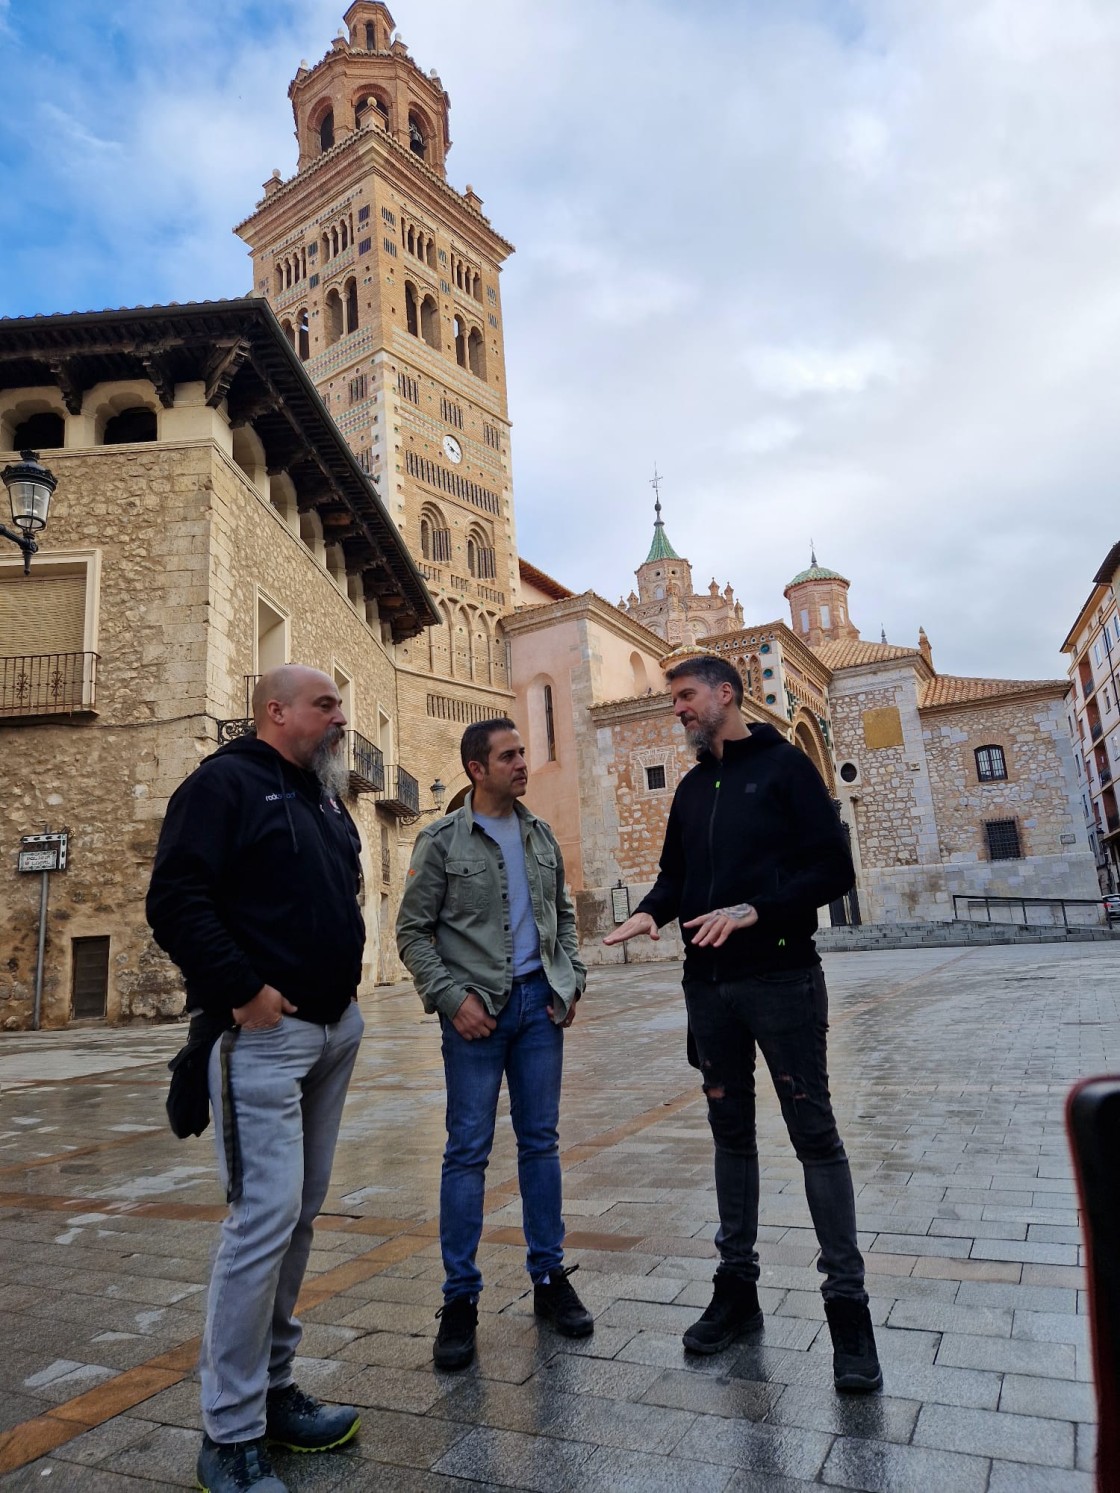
1014	1438
765	1450
937	1316
610	1470
1049	1360
1023	1395
879	1417
1013	1477
709	1395
544	1465
879	1467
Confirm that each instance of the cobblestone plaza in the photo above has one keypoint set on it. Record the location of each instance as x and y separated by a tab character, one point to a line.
949	1071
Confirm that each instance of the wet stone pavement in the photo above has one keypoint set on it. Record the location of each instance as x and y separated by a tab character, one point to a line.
949	1069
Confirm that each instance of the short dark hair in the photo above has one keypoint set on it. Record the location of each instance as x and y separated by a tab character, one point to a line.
475	745
710	671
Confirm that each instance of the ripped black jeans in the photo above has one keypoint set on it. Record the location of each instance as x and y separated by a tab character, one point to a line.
786	1015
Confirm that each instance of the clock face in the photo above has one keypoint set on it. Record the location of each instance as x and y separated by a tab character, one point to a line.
452	449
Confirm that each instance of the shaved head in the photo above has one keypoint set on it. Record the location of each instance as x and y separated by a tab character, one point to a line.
298	711
283	685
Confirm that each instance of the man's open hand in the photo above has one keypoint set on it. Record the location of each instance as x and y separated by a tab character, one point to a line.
637	923
717	926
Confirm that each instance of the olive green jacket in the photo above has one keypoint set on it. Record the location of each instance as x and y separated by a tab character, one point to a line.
453	930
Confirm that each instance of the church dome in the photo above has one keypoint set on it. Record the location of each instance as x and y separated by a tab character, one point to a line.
816	573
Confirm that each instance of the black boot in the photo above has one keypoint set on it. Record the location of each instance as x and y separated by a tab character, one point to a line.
855	1363
733	1310
454	1344
556	1301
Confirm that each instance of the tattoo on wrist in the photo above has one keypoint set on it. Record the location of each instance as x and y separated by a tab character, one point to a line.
737	910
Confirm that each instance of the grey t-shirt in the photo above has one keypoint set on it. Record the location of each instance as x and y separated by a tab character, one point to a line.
526	940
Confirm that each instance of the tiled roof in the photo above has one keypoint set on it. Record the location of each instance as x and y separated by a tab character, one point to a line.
534	576
949	689
661	549
848	653
815	573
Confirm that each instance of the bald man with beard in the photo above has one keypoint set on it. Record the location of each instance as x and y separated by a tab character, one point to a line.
254	896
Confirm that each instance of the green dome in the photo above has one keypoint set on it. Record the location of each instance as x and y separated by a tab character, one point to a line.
816	573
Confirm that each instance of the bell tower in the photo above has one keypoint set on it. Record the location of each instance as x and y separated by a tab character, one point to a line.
386	281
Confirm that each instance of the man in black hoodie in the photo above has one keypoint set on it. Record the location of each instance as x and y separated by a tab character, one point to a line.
254	896
752	848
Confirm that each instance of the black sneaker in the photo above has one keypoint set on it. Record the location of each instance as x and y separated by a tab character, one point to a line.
855	1363
733	1310
556	1301
301	1423
454	1344
235	1467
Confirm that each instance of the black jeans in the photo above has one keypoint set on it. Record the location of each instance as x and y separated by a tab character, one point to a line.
786	1015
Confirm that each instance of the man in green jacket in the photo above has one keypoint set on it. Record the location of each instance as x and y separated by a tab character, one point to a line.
487	931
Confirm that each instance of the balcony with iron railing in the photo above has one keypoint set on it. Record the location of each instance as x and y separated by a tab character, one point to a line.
401	794
48	684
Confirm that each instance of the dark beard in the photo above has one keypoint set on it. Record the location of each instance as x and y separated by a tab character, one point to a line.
329	764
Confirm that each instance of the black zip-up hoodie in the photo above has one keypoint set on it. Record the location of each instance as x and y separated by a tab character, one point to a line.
757	826
255	883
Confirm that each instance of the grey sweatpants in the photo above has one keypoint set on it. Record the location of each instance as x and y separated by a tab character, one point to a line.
289	1084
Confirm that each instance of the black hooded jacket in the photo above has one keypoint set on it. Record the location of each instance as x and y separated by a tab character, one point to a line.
757	826
255	883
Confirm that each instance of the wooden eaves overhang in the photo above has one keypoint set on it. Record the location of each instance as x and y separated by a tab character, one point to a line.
237	350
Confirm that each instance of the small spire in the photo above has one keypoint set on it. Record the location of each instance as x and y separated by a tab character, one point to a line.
883	635
812	553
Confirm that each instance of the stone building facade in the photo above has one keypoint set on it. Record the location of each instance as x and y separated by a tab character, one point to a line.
1093	715
386	280
190	449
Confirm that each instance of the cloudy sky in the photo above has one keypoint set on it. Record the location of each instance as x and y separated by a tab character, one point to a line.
846	270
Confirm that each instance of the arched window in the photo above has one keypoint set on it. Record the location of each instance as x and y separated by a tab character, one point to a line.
351	305
303	329
417	140
430	253
289	332
279	278
334	241
326	247
435	536
476	287
460	342
991	764
326	130
129	426
411	316
476	353
44	430
429	320
333	312
371	37
410	243
345	235
549	724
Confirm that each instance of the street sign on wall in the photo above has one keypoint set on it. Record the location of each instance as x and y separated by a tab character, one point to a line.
43	852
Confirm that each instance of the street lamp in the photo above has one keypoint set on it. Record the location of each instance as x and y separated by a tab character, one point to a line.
29	486
439	793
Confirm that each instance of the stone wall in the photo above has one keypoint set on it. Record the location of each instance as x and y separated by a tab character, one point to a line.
193	544
146	508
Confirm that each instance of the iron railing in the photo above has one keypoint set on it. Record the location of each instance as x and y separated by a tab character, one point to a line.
48	684
401	793
1050	911
367	765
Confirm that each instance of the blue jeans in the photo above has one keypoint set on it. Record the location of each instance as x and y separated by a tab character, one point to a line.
786	1015
289	1085
529	1049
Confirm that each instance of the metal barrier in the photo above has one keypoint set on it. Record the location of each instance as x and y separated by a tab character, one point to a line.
48	684
1057	907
